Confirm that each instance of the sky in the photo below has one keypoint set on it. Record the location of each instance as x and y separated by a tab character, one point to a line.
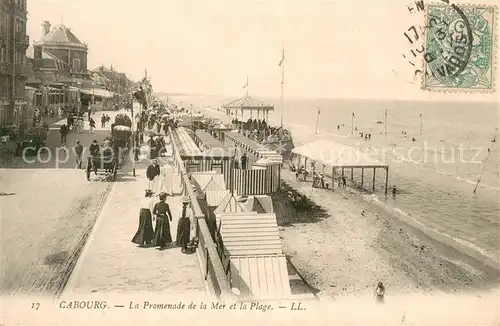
333	49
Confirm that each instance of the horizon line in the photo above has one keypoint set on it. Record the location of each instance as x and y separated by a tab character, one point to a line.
325	98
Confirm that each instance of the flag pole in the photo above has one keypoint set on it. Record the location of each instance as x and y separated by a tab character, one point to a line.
317	121
421	121
352	124
385	122
282	82
246	88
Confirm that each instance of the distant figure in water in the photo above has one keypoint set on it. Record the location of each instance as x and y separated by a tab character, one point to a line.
379	292
413	139
394	190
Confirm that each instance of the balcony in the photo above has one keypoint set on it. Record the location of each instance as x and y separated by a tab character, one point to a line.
23	40
22	70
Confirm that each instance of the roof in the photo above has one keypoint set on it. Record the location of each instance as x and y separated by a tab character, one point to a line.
248	102
250	234
186	144
216	183
261	277
336	155
99	92
30	53
218	152
230	204
261	150
203	179
207	139
260	204
215	197
61	35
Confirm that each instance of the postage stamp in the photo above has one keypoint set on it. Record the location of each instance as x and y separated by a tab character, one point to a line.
459	47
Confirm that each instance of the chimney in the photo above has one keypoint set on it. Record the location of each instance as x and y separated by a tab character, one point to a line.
46	28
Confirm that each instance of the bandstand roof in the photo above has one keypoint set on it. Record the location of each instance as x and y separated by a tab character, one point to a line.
248	103
337	155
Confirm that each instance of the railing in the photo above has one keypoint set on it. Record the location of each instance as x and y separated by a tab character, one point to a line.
212	264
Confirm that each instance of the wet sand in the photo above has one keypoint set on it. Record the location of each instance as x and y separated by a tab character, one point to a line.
344	246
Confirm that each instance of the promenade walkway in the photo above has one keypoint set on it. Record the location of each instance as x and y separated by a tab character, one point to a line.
111	263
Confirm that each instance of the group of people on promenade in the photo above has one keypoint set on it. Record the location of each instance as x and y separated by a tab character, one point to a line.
161	181
261	132
76	123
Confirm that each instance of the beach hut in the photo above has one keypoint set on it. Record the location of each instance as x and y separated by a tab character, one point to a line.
212	199
230	204
204	178
252	254
259	204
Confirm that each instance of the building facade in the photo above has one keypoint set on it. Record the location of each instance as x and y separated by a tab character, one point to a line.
13	63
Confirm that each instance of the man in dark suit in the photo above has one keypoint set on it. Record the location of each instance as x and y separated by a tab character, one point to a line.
153	175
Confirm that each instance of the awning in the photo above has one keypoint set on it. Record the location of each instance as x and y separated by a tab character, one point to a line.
98	92
73	89
337	155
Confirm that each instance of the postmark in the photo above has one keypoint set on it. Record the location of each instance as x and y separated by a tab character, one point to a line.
459	48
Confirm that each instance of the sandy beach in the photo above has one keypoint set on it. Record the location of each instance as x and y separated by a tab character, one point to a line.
346	245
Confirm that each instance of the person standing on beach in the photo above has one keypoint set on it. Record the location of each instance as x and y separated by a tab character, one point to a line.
344	182
379	292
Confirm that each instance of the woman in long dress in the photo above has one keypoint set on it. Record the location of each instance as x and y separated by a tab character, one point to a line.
168	178
161	211
183	227
144	233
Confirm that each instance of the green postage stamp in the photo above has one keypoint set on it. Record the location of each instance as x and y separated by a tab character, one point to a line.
460	45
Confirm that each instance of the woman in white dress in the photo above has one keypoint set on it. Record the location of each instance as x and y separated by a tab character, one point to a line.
168	176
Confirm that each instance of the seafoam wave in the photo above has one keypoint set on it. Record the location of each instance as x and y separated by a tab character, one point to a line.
455	242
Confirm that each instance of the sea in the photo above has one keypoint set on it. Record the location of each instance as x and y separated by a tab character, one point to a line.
456	144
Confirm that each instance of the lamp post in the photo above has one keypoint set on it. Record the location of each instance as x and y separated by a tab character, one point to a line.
93	98
79	97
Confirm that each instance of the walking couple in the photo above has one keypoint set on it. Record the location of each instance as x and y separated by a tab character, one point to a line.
161	236
161	180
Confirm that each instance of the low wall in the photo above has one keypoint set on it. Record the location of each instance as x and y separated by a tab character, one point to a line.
212	266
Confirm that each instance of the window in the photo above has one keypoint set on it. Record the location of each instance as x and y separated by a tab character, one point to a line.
2	54
76	64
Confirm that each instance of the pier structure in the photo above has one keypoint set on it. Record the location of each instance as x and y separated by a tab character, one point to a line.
338	157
